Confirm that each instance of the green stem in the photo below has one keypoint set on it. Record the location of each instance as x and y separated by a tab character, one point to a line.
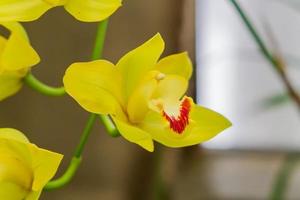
42	88
97	53
157	185
100	39
85	135
109	125
282	179
66	177
76	160
254	33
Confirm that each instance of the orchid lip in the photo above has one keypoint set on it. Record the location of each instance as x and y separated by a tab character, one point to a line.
179	123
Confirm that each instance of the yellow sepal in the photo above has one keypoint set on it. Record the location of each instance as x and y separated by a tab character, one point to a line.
92	10
177	64
135	134
137	63
95	85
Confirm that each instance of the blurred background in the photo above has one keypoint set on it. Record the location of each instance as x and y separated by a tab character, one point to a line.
231	77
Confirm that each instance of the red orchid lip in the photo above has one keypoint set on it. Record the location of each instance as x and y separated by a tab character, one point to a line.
179	123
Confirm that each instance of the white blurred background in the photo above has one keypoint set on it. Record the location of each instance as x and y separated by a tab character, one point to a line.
235	79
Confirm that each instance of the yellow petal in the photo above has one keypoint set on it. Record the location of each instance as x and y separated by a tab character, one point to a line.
14	170
138	102
12	191
16	174
15	27
14	143
24	164
172	87
18	47
204	124
179	64
33	195
2	44
155	87
13	134
10	83
56	2
138	62
95	86
207	124
134	134
45	164
22	10
92	10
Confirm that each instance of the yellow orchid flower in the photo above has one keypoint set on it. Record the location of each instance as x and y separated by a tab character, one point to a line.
145	97
16	57
83	10
24	168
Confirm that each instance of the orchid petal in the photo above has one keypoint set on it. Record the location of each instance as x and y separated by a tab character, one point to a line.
92	10
45	164
13	142
172	87
18	47
138	102
12	191
10	83
179	64
95	86
24	164
22	10
13	134
138	62
134	134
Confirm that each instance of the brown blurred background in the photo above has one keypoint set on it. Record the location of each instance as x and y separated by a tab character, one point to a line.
114	169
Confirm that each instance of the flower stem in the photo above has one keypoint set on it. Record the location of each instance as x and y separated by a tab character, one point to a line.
66	177
42	88
85	135
100	39
276	62
158	186
77	157
97	53
109	125
76	160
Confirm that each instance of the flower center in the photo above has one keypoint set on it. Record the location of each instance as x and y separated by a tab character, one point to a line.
179	122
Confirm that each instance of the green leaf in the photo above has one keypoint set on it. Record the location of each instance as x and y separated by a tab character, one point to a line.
276	100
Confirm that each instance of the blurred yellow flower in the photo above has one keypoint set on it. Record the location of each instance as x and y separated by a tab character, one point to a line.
24	168
145	97
16	57
83	10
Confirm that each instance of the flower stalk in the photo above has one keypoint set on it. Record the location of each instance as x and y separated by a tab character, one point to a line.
77	157
76	160
42	88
